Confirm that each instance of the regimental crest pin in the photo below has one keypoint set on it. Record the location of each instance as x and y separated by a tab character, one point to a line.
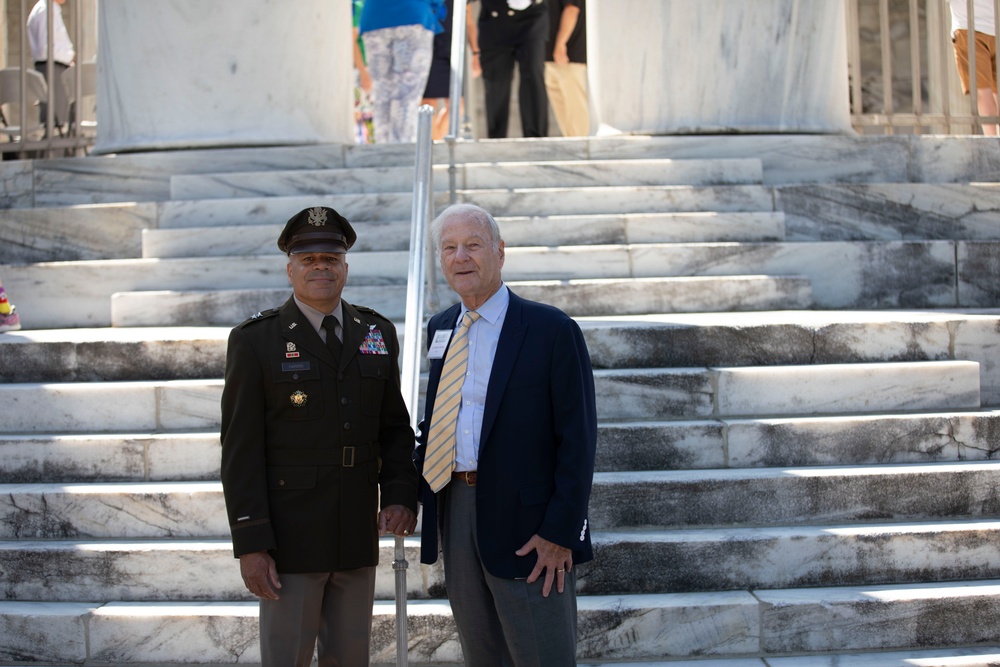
290	346
299	398
291	352
317	216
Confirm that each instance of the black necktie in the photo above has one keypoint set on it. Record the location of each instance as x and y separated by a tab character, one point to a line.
332	342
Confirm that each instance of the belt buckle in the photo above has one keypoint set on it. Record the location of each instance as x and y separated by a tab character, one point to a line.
469	477
345	461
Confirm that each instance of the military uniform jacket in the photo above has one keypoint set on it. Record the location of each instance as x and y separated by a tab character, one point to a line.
309	442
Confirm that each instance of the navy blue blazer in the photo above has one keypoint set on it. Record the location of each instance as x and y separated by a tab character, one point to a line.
539	435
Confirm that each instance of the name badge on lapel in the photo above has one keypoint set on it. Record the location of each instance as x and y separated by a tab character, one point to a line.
439	344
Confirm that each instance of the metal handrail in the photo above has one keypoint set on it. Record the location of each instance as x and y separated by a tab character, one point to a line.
50	143
944	113
423	207
455	92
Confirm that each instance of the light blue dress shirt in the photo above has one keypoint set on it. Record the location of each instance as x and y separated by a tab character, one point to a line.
484	335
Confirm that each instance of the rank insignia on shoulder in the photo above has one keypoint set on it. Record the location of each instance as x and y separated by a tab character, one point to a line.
299	399
373	342
257	315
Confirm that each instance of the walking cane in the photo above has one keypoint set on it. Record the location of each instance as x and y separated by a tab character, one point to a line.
423	205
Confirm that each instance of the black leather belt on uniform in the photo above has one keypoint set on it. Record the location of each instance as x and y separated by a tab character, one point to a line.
347	457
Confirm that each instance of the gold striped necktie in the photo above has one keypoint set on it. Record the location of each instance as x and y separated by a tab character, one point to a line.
439	459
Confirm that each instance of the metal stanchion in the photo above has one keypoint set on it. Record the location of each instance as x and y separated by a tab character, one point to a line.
423	193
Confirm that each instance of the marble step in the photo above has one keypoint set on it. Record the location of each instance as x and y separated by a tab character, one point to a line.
578	298
975	656
621	446
468	176
862	212
793	496
892	211
632	394
501	202
785	158
737	624
904	274
822	212
625	563
978	656
676	340
619	501
551	230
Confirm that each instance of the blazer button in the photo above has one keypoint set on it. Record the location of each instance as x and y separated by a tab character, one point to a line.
347	426
510	12
295	376
281	482
343	400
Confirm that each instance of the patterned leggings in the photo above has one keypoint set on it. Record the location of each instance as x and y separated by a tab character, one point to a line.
399	60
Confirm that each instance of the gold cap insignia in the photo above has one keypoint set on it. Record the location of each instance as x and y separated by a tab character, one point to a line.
317	216
299	399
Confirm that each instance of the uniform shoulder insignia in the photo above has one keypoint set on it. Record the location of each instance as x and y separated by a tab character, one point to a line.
258	316
370	311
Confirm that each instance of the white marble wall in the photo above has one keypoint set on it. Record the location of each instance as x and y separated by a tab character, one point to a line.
189	73
701	66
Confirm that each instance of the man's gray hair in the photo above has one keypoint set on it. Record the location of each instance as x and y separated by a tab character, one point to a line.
466	212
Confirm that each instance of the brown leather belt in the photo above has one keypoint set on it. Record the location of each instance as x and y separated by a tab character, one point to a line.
467	476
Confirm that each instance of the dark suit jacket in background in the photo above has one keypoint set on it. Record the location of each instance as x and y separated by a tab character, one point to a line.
536	451
289	410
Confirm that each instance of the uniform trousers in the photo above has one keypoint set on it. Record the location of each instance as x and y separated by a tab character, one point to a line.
334	608
566	84
527	50
501	621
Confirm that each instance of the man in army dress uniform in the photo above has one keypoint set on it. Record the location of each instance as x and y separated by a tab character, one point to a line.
315	436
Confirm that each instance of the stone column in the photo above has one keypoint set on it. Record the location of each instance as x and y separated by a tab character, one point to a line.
213	73
710	66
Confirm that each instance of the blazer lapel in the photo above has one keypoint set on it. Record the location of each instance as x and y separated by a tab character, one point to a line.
508	347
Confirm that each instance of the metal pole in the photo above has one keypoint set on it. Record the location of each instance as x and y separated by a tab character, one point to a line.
422	193
970	30
455	90
50	110
915	72
887	105
23	110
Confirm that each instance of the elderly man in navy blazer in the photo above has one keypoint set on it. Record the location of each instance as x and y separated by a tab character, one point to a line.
506	455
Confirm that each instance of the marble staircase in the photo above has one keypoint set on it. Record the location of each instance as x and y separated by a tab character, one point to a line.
795	345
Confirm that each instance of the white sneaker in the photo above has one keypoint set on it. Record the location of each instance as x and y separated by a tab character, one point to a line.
10	321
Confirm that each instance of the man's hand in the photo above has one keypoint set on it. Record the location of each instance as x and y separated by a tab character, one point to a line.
555	561
260	574
398	520
559	54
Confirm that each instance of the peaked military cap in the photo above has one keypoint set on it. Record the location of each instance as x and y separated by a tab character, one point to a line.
317	229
